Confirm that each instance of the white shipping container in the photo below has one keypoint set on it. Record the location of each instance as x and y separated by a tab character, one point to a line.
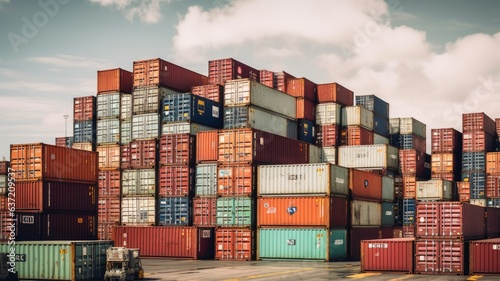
394	124
329	155
108	131
145	126
183	128
315	154
411	126
357	116
377	156
138	211
387	188
328	113
206	180
302	179
248	92
479	202
434	190
139	182
365	213
126	107
126	131
108	105
378	139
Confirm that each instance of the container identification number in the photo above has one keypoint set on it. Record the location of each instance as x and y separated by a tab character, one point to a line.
378	246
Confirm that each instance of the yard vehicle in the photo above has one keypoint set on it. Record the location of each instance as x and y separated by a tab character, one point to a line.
123	264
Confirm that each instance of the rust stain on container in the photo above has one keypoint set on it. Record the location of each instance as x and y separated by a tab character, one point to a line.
204	211
176	180
114	80
234	244
236	180
207	146
389	255
177	149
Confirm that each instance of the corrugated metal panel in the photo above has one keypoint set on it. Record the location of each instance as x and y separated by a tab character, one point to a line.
143	154
236	180
388	188
126	131
4	167
302	88
408	142
463	191
125	157
446	140
477	141
375	104
354	135
387	214
145	126
109	210
138	211
334	92
411	126
267	78
186	107
212	92
477	184
148	99
356	235
329	155
381	125
204	211
87	146
315	154
306	131
445	163
357	116
6	220
235	212
306	109
3	184
492	219
328	135
84	131
56	226
368	156
176	180
207	146
414	162
64	141
139	182
492	163
234	244
206	180
183	128
126	107
389	255
441	257
174	211
328	114
394	125
108	131
484	256
177	149
84	108
108	105
222	70
365	185
493	186
364	213
434	190
104	231
109	156
409	187
114	80
478	121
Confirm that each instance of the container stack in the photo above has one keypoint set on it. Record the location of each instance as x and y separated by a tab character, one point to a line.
64	141
380	109
493	172
302	212
56	192
305	92
84	123
479	132
446	149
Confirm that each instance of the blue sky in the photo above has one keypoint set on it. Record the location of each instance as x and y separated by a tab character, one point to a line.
431	60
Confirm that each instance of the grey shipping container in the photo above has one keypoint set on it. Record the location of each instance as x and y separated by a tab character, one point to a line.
374	103
126	107
139	182
365	213
369	156
329	155
434	190
126	131
84	131
108	131
108	105
145	126
183	128
206	180
409	126
138	211
148	99
357	116
328	113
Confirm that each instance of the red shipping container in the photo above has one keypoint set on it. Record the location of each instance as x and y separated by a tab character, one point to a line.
236	180
222	70
211	92
492	163
143	154
413	162
446	140
281	80
409	187
109	183
408	231
358	234
334	92
302	88
176	180
177	149
463	191
4	167
234	244
444	176
390	255
125	156
159	72
478	122
365	185
493	186
44	161
328	135
114	80
267	78
477	141
441	257
204	211
354	135
104	231
492	222
109	210
43	196
306	109
259	147
84	108
484	257
109	157
7	227
207	146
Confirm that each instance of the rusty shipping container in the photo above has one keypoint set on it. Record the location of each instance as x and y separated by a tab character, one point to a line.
478	121
207	146
484	257
84	108
176	180
328	135
387	255
204	211
222	70
476	141
177	149
334	92
211	92
109	157
39	161
267	78
365	213
492	163
302	88
114	80
143	154
306	109
365	185
445	140
493	186
160	72
236	180
167	241
302	211
53	195
354	135
443	257
108	210
235	244
492	219
413	162
358	234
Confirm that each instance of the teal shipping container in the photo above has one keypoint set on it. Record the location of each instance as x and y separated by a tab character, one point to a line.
60	260
235	212
387	214
302	243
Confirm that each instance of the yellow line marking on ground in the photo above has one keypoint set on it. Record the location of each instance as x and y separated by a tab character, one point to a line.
475	277
363	275
271	274
401	278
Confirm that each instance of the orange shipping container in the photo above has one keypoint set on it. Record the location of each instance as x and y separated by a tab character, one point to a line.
334	92
302	88
328	135
365	185
463	191
177	149
39	161
204	211
176	180
234	244
211	92
114	80
443	176
87	146
445	162
267	78
207	146
109	183
306	109
409	187
354	135
493	186
236	180
109	157
493	163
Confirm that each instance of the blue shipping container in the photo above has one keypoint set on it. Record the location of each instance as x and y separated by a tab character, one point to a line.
174	211
403	141
493	202
407	211
84	131
187	107
477	184
474	161
306	131
375	104
381	125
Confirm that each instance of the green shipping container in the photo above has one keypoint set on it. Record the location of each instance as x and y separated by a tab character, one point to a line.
235	212
302	243
387	214
59	260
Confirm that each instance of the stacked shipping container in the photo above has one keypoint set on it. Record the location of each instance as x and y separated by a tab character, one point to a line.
84	123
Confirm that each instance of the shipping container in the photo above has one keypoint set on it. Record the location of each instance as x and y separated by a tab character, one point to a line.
478	122
56	226
357	116
109	157
126	131
315	154
139	182
365	185
477	141
409	187
306	109
301	244
64	141
138	211
409	207
176	180
235	244
433	190
267	78
84	131
160	72
445	257
125	157
54	195
328	135
365	213
408	142
235	212
375	104
493	186
177	149
126	107
183	128
302	179
84	108
473	161
108	105
411	126
302	211
394	125
104	231
38	161
207	146
281	80
108	210
477	184
114	80
3	185
334	92
204	211
306	131
247	92
493	202
329	155
414	162
463	191
484	257
174	211
222	70
388	187
478	202
492	219
236	180
378	139
186	107
149	99
167	241
108	131
329	113
447	163
87	146
381	125
7	227
387	255
388	215
211	92
492	163
145	126
206	180
143	154
398	187
369	156
4	167
60	260
358	234
446	140
302	88
354	135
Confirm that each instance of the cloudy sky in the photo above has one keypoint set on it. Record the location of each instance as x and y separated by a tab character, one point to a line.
431	60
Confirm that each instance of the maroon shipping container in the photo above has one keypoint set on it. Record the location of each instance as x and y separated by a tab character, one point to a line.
328	135
463	191
167	241
388	232
358	234
446	140
114	80
109	210
4	202
44	161
477	141
493	186
236	180
497	123
414	163
259	147
484	257
446	256
207	146
334	92
267	78
302	88
222	70
408	231
143	154
6	223
492	222
389	255
281	80
109	183
478	122
4	167
306	109
354	135
84	108
176	180
234	244
204	211
159	72
43	196
450	220
365	185
56	226
61	141
177	149
211	92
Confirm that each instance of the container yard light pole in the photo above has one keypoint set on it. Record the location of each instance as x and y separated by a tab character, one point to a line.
65	126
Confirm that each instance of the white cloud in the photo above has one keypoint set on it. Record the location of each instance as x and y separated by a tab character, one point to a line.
148	11
69	61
